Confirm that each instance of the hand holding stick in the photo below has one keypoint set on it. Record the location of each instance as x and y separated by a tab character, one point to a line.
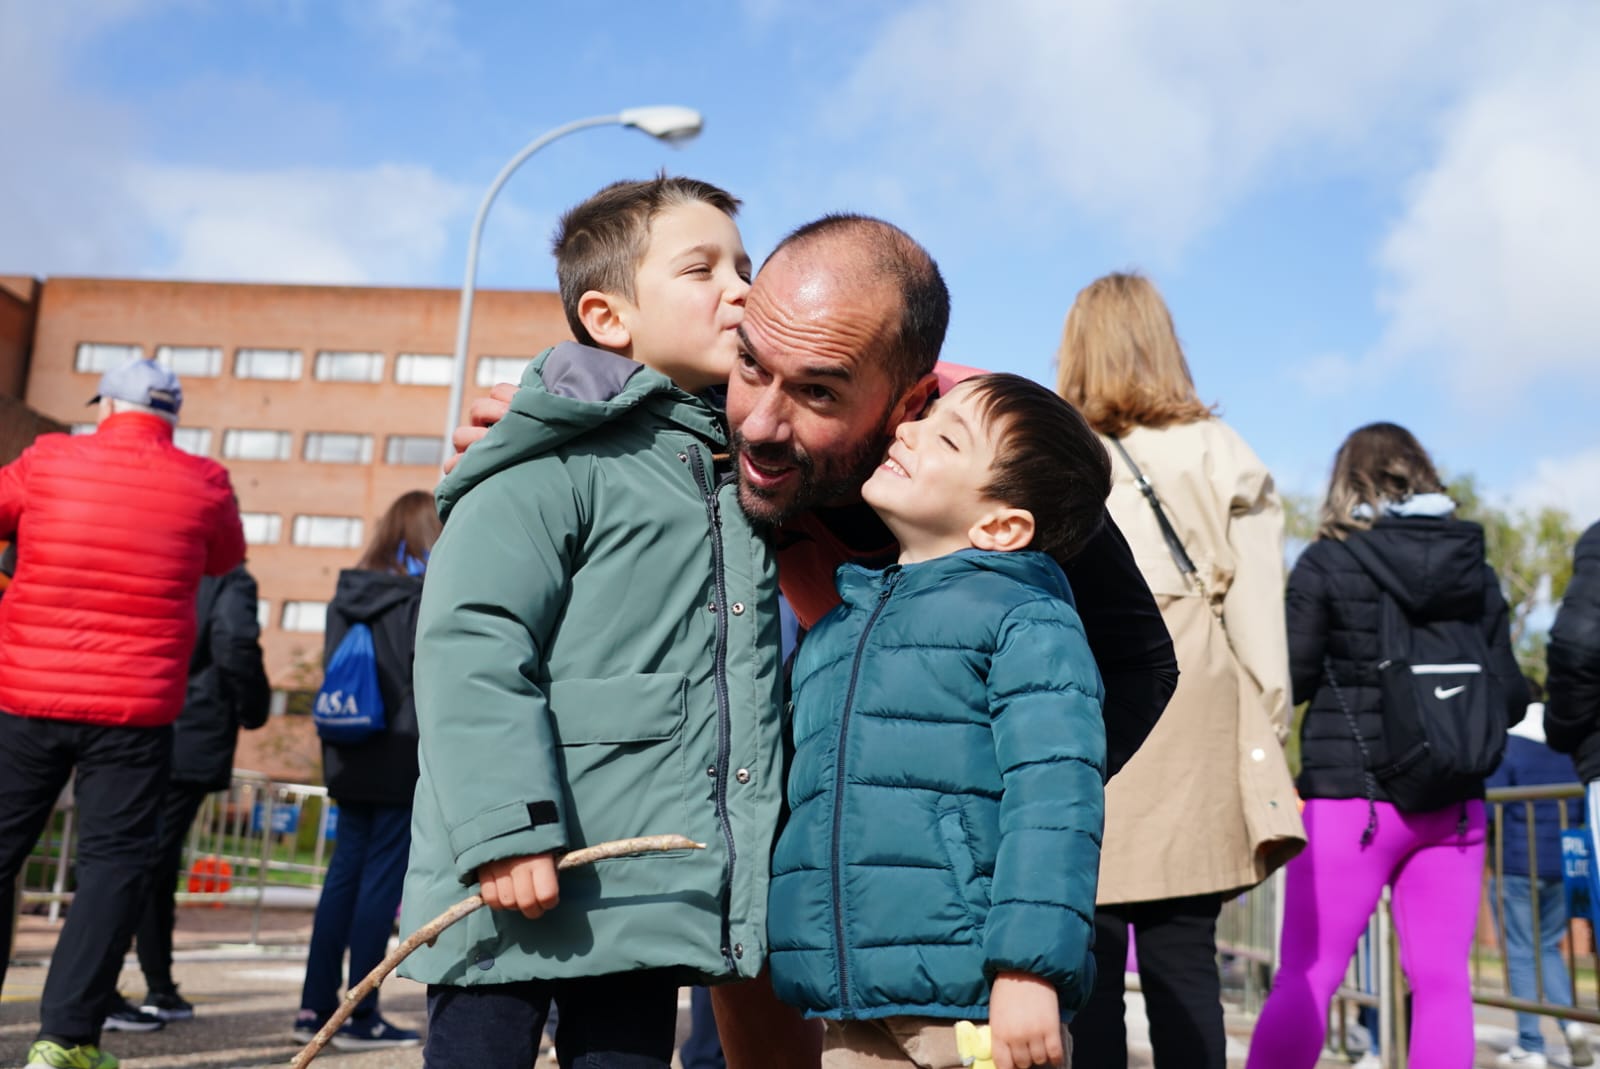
649	844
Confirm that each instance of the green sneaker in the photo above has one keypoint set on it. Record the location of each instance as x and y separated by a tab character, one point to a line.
48	1054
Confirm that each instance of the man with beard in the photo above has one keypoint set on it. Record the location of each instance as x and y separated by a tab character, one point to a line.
841	335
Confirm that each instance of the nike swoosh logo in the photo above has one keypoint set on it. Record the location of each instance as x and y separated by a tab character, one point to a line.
1441	693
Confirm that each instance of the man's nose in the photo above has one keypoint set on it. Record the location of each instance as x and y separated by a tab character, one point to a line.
768	420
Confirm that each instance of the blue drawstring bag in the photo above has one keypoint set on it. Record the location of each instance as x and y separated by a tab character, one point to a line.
349	706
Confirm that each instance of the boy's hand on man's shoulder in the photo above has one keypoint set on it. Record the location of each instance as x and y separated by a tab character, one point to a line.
1024	1022
526	884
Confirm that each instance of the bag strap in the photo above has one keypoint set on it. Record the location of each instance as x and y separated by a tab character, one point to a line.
1368	779
1180	556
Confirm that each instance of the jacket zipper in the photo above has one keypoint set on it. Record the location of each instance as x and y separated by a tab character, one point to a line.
708	488
891	577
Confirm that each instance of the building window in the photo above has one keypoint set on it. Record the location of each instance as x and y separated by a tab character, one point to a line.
282	364
334	366
339	532
328	447
96	357
305	615
423	369
85	428
262	528
256	445
412	449
196	440
493	369
263	613
194	361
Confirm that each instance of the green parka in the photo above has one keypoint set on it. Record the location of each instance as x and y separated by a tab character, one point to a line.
597	658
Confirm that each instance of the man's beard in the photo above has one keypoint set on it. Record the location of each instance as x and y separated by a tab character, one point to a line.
818	482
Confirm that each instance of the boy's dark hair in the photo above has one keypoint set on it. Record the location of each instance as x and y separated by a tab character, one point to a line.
1048	461
888	254
599	243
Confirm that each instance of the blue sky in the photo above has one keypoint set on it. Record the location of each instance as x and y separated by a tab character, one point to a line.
1356	211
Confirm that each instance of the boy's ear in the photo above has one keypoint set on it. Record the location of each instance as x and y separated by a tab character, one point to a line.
603	315
1005	530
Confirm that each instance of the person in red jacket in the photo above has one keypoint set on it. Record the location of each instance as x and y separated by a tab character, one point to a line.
114	531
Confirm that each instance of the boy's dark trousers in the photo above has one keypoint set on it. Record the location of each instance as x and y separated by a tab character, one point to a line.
619	1021
121	774
179	804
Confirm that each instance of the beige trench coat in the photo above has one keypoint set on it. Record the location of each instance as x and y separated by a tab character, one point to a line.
1207	804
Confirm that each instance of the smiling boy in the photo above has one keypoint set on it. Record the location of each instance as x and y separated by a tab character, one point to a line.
949	750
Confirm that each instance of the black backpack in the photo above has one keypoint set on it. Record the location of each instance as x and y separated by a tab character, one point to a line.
1444	712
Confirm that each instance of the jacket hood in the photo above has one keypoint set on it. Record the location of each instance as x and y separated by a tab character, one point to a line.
567	391
1433	567
861	586
365	595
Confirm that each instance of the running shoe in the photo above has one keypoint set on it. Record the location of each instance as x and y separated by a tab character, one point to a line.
372	1034
123	1016
168	1005
48	1054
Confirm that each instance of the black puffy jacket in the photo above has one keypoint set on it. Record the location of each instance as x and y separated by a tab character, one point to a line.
1435	569
381	769
1572	705
228	687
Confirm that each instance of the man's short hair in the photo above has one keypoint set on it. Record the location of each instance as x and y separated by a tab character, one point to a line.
600	243
1047	461
893	257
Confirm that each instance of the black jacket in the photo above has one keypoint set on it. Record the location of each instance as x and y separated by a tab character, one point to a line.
228	687
1435	569
382	769
1572	704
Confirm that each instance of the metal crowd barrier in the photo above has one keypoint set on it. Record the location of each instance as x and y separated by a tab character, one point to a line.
244	848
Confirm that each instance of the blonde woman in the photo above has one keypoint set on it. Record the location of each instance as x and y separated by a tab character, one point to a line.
1205	809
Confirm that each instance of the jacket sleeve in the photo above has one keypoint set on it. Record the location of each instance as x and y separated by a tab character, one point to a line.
1128	638
13	494
1044	700
1306	618
236	650
1502	659
1572	705
225	545
497	581
1252	610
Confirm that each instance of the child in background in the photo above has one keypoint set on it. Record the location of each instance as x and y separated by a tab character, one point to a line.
1532	940
941	856
597	652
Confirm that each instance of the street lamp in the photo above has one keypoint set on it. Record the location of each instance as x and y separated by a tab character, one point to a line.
666	123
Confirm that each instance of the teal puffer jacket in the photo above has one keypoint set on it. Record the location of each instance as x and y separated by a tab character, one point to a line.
597	658
946	793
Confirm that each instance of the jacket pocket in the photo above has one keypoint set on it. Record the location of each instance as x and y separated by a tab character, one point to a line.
972	887
621	745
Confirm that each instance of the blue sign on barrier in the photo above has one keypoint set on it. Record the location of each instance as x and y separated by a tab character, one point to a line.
1578	873
285	818
330	831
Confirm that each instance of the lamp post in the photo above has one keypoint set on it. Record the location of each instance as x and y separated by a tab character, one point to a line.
667	123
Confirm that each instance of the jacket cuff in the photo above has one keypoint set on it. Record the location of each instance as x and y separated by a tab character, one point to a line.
515	829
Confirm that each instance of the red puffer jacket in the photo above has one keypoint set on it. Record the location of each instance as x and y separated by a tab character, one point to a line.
113	530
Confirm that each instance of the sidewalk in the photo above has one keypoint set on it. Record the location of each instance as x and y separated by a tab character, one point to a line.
246	995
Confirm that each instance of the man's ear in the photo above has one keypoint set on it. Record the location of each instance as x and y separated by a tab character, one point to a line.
605	317
1003	530
915	401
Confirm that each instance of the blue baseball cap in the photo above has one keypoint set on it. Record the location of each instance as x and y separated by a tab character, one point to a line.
142	382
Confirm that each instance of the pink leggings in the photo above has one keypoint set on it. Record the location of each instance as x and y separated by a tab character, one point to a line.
1333	887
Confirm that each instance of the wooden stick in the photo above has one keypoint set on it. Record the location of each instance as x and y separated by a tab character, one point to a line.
649	844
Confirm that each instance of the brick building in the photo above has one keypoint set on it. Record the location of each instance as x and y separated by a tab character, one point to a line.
324	402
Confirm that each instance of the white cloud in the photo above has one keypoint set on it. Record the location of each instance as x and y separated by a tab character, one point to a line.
1156	118
1491	271
1570	483
389	223
410	31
